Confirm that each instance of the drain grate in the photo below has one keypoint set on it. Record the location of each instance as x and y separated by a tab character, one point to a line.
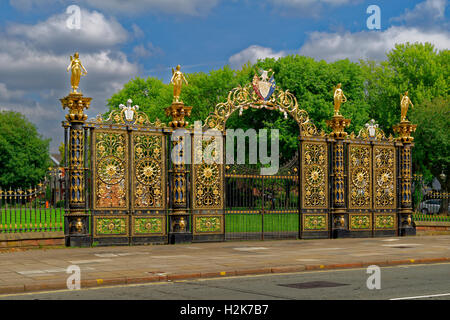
313	285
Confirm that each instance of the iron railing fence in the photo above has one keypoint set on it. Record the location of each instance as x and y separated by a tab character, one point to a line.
35	209
433	203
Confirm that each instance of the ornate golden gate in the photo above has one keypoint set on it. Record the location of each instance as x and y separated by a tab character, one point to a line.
129	177
125	188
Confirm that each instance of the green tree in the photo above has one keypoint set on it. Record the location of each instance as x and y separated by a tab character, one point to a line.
206	90
424	72
418	68
24	155
151	95
431	153
312	82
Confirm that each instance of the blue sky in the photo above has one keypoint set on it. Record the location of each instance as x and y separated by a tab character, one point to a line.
119	40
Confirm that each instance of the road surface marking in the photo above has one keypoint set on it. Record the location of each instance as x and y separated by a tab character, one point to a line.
90	261
105	255
322	249
56	270
178	256
420	297
390	240
366	254
250	248
307	260
402	245
31	272
210	279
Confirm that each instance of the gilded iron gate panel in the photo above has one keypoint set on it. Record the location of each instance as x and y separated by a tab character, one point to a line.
360	177
314	198
110	184
207	178
207	187
110	170
384	187
384	174
148	189
360	187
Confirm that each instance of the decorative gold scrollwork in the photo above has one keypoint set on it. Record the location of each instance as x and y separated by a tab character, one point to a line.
242	98
360	177
208	179
315	174
148	179
110	170
384	169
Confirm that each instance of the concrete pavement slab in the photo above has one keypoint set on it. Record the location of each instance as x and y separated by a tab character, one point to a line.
161	262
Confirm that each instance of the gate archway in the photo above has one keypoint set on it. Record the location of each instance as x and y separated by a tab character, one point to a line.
258	206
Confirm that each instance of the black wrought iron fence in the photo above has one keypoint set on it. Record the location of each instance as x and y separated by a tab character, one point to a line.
35	209
434	202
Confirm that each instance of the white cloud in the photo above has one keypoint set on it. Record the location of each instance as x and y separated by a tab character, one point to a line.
425	13
185	7
310	8
96	32
332	46
252	54
137	31
146	51
33	62
9	95
368	44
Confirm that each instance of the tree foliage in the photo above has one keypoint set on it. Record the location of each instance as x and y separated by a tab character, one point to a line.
24	155
373	90
431	153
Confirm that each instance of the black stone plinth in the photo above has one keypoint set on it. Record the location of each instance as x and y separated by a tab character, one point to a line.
78	241
208	238
407	231
341	233
315	235
180	237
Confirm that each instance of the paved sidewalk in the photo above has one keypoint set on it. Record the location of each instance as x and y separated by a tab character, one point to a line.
45	269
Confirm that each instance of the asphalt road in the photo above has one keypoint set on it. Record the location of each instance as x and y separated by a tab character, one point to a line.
419	282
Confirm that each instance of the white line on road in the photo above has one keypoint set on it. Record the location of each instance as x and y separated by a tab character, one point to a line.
90	261
421	297
105	255
402	245
250	248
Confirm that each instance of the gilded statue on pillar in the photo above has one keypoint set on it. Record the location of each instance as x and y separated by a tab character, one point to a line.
177	80
78	71
339	98
405	102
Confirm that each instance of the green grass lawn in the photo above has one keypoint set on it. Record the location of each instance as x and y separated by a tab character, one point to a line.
51	219
429	217
287	222
29	220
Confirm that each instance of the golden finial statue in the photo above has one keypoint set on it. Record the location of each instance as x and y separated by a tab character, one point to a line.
339	98
405	102
177	80
78	70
